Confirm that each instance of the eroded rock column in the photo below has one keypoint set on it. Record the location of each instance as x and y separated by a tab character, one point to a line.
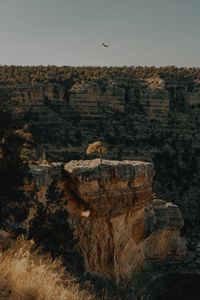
124	224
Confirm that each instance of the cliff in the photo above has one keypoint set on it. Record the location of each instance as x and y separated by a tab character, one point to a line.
138	113
146	114
116	220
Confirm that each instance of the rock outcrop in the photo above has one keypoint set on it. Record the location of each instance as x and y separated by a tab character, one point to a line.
126	225
116	220
140	113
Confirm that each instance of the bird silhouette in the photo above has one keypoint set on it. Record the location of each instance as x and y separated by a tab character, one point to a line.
105	45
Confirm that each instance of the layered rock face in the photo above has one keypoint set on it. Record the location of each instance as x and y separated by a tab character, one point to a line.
125	225
148	114
115	217
155	95
65	116
89	99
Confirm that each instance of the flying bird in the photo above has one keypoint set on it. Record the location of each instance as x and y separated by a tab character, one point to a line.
105	45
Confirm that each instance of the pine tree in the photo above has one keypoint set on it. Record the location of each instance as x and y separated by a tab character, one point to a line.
13	203
50	228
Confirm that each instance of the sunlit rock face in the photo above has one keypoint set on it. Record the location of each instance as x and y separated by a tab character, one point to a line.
88	98
124	224
116	219
111	188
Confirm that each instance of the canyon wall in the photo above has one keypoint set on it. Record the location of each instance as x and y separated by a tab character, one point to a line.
117	221
124	111
148	114
145	114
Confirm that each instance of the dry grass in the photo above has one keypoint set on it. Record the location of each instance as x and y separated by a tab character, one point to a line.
24	275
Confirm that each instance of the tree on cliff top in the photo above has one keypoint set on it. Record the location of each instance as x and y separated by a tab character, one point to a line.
97	146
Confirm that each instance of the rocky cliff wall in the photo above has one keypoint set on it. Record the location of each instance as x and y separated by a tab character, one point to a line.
66	116
116	220
155	95
149	115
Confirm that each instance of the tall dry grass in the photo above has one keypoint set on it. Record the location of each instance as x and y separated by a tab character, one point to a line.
24	275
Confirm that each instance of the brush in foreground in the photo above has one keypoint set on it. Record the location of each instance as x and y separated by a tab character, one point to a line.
24	275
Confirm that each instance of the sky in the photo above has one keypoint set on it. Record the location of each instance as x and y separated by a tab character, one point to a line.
70	32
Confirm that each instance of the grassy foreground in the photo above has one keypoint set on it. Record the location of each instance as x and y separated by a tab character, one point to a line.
25	275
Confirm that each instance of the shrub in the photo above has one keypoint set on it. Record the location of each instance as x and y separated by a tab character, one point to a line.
24	275
97	146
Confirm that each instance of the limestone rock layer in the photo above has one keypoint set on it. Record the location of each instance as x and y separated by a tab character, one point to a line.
125	225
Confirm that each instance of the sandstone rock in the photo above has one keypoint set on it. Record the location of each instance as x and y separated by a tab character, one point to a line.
89	99
163	215
116	220
125	227
135	98
112	187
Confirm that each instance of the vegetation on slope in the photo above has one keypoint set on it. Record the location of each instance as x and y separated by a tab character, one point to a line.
51	231
13	202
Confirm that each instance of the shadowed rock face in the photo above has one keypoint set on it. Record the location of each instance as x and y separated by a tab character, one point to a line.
164	282
125	226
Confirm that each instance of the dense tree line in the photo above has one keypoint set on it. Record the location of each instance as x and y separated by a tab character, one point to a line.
32	74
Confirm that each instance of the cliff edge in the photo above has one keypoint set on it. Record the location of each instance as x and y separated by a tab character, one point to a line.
124	225
116	220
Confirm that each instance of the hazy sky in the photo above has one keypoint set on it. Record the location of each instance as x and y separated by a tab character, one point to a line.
70	32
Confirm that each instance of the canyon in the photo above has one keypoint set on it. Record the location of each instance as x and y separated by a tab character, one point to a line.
126	222
144	114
